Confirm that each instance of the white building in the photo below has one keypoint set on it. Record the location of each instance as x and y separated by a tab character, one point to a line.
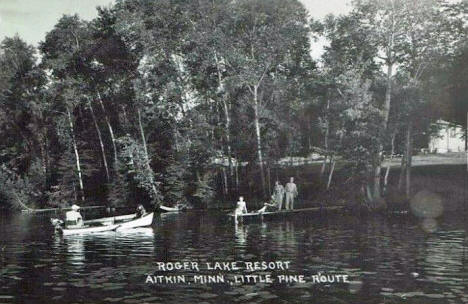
449	138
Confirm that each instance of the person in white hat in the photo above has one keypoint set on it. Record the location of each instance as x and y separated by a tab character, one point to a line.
140	211
73	217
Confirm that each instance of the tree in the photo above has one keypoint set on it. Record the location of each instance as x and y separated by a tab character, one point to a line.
385	19
154	30
207	59
407	35
348	52
354	131
23	120
428	33
61	56
263	37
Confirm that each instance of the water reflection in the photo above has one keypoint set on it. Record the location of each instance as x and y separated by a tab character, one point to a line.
75	250
388	260
143	232
286	235
241	233
444	257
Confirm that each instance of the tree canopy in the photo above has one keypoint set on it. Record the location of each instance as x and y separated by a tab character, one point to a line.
170	101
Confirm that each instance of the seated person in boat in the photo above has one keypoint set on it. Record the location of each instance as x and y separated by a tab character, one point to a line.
73	217
140	211
241	208
271	206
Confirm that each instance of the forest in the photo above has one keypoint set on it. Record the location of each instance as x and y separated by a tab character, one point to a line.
195	102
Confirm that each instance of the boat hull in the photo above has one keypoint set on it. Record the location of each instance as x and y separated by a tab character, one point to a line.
87	230
144	221
286	212
111	219
165	209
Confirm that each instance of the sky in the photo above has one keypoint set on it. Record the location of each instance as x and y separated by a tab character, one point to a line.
32	19
319	9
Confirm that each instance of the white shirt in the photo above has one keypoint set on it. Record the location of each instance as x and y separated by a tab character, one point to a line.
291	188
73	216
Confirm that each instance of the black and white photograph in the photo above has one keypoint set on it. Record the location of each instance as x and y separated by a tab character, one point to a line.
234	151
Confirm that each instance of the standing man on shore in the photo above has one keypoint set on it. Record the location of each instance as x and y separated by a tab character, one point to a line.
291	193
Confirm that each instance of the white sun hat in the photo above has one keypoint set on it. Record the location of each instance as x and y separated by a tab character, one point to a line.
75	207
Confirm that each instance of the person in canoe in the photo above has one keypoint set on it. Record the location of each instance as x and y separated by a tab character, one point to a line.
291	193
140	211
241	207
271	206
73	217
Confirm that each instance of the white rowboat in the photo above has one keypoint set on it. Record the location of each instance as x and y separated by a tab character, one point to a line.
86	230
144	221
170	209
261	212
111	219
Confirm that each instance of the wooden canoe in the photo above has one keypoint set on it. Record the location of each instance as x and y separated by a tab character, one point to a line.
165	209
286	212
87	229
144	221
111	219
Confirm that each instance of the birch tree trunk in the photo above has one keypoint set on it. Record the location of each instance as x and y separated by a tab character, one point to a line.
227	122
378	166
332	169
402	171
228	136
259	139
101	143
269	179
388	94
377	177
327	134
225	182
387	172
386	111
77	156
323	167
109	126
145	150
237	173
409	156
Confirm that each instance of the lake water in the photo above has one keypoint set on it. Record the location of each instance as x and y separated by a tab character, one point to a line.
386	259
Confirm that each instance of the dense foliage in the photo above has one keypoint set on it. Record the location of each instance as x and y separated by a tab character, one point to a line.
175	101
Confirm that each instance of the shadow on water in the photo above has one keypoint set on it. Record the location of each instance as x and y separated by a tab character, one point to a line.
388	260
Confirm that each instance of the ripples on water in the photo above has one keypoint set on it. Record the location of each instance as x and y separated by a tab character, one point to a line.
389	260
